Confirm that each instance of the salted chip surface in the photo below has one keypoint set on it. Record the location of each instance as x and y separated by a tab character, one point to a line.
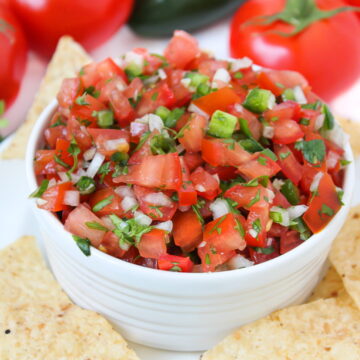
323	329
67	60
345	254
330	286
39	322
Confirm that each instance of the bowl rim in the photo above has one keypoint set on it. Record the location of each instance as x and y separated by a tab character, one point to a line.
260	269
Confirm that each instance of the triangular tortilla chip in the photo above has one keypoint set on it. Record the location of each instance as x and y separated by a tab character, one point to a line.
39	322
68	58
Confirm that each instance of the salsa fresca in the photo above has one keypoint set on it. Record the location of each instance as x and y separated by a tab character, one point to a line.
183	162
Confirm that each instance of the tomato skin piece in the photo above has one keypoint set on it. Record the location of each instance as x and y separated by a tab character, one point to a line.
101	136
192	160
163	213
155	171
44	23
258	211
289	240
316	217
218	100
54	196
286	132
153	244
75	224
304	52
181	49
291	168
194	133
205	184
42	159
187	231
110	244
223	233
167	262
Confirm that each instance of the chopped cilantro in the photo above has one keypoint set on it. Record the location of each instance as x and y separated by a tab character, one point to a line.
270	154
83	244
40	190
154	96
256	225
80	100
238	75
255	199
59	121
326	210
101	204
86	185
196	208
265	250
104	170
329	121
61	162
207	259
95	225
216	226
314	151
284	155
158	212
262	160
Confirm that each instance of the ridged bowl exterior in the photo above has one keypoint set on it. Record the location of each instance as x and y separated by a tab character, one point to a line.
178	311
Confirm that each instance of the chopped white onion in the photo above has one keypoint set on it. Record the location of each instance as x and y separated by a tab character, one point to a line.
238	107
239	64
142	219
285	219
278	183
184	208
219	208
151	80
107	222
296	211
90	153
180	148
319	122
162	74
158	199
138	128
200	188
124	190
202	244
95	165
332	159
72	198
115	144
271	101
239	262
155	122
166	225
337	136
270	195
63	177
316	181
128	202
222	75
133	58
268	132
52	182
193	108
253	233
41	201
186	82
299	95
216	177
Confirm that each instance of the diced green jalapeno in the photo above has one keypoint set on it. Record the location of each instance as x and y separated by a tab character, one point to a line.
251	145
291	192
259	100
105	118
288	94
222	124
163	112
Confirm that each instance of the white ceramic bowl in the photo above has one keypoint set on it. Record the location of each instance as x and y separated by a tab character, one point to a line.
180	311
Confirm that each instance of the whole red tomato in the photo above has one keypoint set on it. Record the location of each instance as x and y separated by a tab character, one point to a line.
326	51
13	54
90	22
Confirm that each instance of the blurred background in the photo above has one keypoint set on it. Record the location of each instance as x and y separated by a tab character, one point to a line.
319	38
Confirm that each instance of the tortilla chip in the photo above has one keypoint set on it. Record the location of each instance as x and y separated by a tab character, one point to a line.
352	128
330	286
323	329
37	319
68	58
345	254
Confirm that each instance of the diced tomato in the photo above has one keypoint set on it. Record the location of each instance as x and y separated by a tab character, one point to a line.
187	194
271	252
76	224
278	80
54	197
161	210
108	69
113	208
152	63
331	146
53	133
181	50
181	93
137	129
123	111
193	133
44	162
193	160
256	224
307	178
62	152
134	88
217	152
156	171
225	233
286	131
106	87
289	240
259	165
309	119
224	172
153	244
217	100
144	151
287	110
84	113
187	230
288	163
210	66
175	263
80	133
276	230
110	244
280	200
254	124
160	95
205	184
245	196
211	259
103	136
70	89
323	205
